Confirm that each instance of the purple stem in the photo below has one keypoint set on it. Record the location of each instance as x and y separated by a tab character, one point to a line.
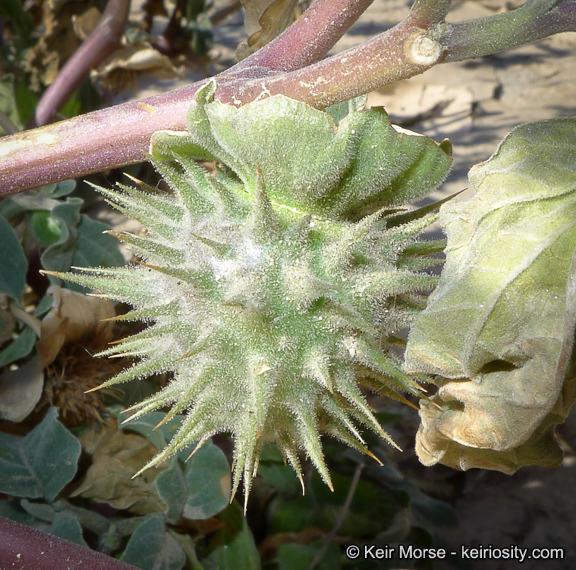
101	42
120	135
310	38
377	62
26	547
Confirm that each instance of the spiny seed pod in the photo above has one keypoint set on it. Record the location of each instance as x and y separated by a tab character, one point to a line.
272	287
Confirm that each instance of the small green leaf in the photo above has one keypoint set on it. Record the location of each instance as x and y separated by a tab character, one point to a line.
173	490
146	426
66	526
19	348
45	229
58	189
208	476
39	509
12	261
59	255
95	248
41	463
152	548
235	547
11	509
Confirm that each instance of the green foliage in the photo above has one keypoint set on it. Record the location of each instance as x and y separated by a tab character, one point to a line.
233	545
39	464
13	262
152	548
306	163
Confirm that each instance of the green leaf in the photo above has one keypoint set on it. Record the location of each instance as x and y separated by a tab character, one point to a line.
275	472
208	477
19	348
172	488
499	327
45	198
58	189
66	526
45	229
59	255
8	101
307	162
235	548
152	548
12	510
95	248
26	101
298	556
147	426
41	463
12	261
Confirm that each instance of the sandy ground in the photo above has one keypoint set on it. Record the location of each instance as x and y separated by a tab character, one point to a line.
475	104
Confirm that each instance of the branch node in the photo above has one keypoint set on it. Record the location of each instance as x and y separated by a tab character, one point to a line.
422	49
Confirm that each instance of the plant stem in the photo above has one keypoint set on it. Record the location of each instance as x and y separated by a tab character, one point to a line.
427	13
380	61
310	38
119	136
26	547
340	519
101	42
533	21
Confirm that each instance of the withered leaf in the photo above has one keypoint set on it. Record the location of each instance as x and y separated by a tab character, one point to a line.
116	456
499	328
264	20
73	317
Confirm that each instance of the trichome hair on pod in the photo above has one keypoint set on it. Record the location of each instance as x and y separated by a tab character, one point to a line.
272	287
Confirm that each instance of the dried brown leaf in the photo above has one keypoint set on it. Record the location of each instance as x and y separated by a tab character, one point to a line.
73	317
264	20
116	456
121	69
499	328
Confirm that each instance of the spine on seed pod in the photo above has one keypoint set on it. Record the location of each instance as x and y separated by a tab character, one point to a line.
272	287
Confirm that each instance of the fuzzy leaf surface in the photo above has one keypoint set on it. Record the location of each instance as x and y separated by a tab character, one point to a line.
151	547
41	463
500	326
339	171
12	261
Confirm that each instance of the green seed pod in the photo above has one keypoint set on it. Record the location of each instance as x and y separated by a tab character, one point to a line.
272	286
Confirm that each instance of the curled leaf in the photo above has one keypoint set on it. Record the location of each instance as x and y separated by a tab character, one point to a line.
264	20
499	328
73	317
336	171
116	456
